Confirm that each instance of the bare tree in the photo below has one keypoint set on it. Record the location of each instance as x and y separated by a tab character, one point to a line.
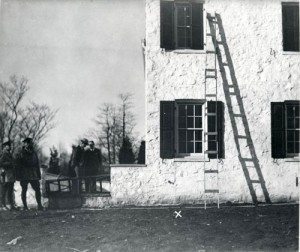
36	121
128	118
12	94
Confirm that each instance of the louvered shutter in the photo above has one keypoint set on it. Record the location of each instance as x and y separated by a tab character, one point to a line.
167	25
278	138
167	133
213	126
290	26
197	26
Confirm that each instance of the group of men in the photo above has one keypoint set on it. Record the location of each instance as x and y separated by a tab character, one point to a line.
86	161
24	168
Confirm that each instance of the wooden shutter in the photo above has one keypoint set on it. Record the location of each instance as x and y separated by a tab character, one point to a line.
278	130
167	133
197	26
213	140
290	26
167	25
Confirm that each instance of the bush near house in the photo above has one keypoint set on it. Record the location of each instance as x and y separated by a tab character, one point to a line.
126	155
141	155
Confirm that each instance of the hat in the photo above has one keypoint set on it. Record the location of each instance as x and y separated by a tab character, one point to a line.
84	141
6	143
27	140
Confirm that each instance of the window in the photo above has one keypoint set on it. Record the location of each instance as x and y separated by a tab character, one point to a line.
181	25
290	26
285	117
189	128
181	128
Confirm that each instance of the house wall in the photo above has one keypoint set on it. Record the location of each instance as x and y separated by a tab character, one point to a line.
264	73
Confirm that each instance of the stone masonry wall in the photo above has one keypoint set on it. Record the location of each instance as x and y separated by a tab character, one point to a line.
264	73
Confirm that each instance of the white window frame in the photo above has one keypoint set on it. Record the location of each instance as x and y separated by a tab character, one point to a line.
189	102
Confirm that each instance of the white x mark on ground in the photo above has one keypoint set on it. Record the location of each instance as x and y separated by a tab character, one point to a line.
178	214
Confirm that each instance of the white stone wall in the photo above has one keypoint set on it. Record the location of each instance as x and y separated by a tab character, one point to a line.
264	73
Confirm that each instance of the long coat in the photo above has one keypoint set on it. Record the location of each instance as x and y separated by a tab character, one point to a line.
28	167
92	162
8	166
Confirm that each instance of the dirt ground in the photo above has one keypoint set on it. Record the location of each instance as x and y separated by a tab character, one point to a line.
266	228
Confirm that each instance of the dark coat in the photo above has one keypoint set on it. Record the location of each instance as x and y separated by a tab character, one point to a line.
28	167
92	162
7	164
77	161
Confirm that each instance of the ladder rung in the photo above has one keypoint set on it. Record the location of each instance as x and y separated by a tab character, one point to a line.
211	152
225	64
211	171
211	114
240	136
211	95
247	159
210	70
232	93
210	76
211	133
209	34
255	181
211	191
231	86
237	115
211	52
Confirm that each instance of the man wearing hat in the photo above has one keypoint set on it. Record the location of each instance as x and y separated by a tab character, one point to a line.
7	172
28	172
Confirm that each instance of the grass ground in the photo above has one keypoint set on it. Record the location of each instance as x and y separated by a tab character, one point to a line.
266	228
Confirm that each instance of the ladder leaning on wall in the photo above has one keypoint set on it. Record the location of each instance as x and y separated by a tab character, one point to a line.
210	140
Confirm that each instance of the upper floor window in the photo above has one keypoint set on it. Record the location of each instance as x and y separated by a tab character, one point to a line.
290	26
181	25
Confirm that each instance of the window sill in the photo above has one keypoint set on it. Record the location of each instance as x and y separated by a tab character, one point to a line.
290	53
191	159
188	51
292	159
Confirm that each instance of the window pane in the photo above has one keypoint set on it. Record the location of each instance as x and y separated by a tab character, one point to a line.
182	136
190	147
198	122
198	135
190	122
297	123
198	110
297	147
190	135
290	135
290	123
290	147
297	135
190	110
290	111
182	121
182	147
181	110
198	146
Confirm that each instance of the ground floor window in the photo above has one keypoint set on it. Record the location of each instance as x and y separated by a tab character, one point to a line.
285	117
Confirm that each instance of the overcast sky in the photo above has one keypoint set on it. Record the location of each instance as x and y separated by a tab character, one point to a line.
76	55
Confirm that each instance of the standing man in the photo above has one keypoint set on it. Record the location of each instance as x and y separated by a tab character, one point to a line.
28	172
7	171
76	165
92	161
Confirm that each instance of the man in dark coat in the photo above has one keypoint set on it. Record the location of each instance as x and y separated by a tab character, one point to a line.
28	172
92	162
7	172
78	158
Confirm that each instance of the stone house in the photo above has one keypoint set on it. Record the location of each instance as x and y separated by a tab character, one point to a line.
222	104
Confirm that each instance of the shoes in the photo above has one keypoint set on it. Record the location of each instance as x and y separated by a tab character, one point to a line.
25	208
40	208
13	208
3	208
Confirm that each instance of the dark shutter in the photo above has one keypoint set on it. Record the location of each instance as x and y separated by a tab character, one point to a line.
215	142
278	130
167	129
290	26
197	26
166	25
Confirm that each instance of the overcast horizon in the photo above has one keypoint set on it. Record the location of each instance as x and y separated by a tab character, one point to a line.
76	55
